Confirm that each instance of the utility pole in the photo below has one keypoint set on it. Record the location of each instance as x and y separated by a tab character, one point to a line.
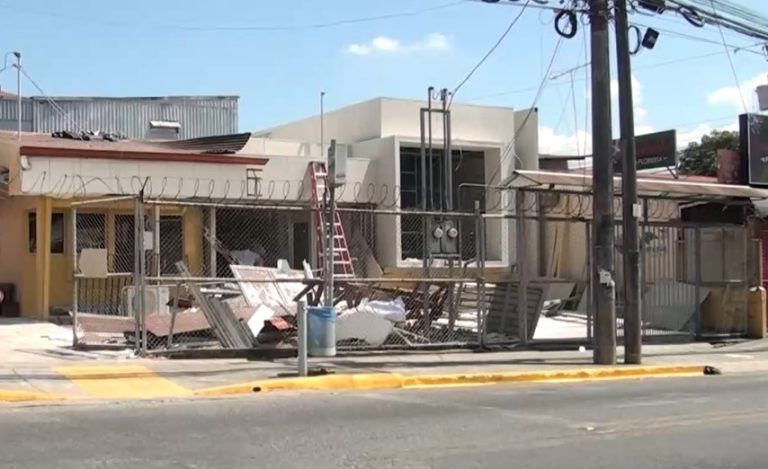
630	206
602	183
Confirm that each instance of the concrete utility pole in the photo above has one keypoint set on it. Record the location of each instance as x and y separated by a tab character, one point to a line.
602	182
630	207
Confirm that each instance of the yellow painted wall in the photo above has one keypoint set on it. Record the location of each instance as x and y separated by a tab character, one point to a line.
17	264
38	291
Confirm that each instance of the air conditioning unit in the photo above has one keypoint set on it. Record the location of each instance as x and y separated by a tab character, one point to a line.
156	299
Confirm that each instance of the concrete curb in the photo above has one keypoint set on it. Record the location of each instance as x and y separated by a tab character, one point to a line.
369	381
27	396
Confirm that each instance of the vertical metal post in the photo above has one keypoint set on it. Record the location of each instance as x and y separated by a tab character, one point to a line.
746	278
212	232
156	271
448	191
425	222
697	275
175	311
75	280
18	93
301	322
330	246
322	122
137	254
631	254
590	284
142	313
479	254
522	297
602	180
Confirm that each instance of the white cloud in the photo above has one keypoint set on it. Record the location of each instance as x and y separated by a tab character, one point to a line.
694	134
732	95
637	100
384	44
554	143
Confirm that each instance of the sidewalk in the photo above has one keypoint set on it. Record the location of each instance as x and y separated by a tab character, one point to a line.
118	377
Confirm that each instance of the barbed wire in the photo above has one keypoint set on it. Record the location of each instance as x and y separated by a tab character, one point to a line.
566	202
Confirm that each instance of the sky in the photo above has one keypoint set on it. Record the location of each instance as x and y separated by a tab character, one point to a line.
279	55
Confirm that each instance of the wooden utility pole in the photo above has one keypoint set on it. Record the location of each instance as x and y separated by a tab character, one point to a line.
603	284
630	207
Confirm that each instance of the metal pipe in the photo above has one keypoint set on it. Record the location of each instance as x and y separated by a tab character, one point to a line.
425	191
213	270
18	92
341	280
697	274
301	337
522	270
105	199
136	271
142	316
75	281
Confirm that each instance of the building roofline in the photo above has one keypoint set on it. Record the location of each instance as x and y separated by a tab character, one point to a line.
140	155
134	98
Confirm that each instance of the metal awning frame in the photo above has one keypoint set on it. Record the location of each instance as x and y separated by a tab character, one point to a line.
649	189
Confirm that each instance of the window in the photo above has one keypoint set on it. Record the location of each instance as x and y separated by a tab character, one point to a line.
57	232
124	243
469	168
171	244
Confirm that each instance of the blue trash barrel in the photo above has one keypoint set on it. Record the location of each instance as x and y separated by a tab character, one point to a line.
321	331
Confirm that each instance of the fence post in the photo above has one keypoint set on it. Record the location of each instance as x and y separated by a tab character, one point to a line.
75	282
588	237
479	251
697	276
301	320
522	297
746	278
142	313
137	235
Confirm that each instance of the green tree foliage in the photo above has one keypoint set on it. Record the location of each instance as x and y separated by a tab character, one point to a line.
700	158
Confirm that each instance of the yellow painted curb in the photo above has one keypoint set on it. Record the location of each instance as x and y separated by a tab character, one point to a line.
370	381
26	396
122	382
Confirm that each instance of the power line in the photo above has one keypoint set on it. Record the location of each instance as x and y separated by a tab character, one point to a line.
697	38
557	76
233	28
730	62
510	149
490	51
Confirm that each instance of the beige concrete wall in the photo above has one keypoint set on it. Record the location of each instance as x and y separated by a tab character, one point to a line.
350	124
383	173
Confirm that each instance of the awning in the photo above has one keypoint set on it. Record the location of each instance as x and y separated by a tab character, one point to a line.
575	182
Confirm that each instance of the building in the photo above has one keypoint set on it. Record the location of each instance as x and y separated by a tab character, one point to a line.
44	175
138	118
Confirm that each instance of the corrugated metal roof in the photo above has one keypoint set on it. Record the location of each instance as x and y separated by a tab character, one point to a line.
198	116
538	180
216	144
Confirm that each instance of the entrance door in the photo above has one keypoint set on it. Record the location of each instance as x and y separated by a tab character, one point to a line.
301	244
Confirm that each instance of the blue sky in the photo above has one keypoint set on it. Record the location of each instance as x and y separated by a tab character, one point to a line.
146	47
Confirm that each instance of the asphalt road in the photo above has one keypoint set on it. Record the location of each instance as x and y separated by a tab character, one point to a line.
708	422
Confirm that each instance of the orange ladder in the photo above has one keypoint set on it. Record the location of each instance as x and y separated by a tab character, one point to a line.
342	260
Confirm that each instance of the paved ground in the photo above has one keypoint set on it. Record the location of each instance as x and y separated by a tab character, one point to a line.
118	376
708	422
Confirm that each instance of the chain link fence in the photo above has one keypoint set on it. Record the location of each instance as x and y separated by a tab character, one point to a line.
159	275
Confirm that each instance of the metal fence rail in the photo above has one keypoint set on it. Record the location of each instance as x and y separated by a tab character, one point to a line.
516	274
